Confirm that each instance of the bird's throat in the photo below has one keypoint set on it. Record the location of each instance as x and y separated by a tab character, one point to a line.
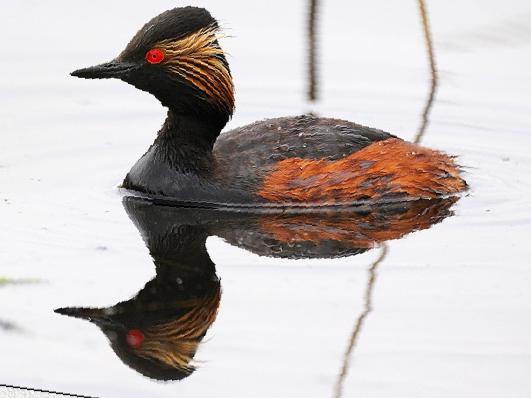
186	142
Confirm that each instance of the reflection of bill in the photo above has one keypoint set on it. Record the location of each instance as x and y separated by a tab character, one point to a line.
23	392
158	331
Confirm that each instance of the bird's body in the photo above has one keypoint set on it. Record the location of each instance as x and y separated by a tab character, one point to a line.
283	162
243	158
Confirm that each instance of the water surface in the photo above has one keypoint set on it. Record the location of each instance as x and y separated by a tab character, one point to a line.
441	312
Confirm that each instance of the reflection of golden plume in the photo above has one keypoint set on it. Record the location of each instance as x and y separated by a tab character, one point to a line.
174	343
198	59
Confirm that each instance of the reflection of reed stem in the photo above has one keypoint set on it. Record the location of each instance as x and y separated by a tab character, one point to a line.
433	71
338	390
312	51
359	322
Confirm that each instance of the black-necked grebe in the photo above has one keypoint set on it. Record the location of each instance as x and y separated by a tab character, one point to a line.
289	161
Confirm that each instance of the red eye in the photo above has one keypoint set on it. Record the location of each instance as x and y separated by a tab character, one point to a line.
135	338
155	56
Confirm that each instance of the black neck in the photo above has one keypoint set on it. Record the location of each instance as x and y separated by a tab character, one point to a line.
182	253
191	130
186	141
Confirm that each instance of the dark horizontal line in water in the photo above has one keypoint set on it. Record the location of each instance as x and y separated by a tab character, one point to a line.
272	208
44	391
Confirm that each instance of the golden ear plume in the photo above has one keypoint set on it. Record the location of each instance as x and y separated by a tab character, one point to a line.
175	342
199	60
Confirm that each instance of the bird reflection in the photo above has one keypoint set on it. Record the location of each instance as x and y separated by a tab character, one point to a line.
158	331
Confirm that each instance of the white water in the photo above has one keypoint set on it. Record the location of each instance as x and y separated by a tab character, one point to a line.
451	304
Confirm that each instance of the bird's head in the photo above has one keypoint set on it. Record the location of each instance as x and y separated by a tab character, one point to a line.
177	58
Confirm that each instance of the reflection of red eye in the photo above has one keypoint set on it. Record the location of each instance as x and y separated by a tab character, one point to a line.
134	338
155	56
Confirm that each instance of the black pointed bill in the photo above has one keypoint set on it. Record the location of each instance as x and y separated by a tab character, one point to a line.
96	315
108	70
